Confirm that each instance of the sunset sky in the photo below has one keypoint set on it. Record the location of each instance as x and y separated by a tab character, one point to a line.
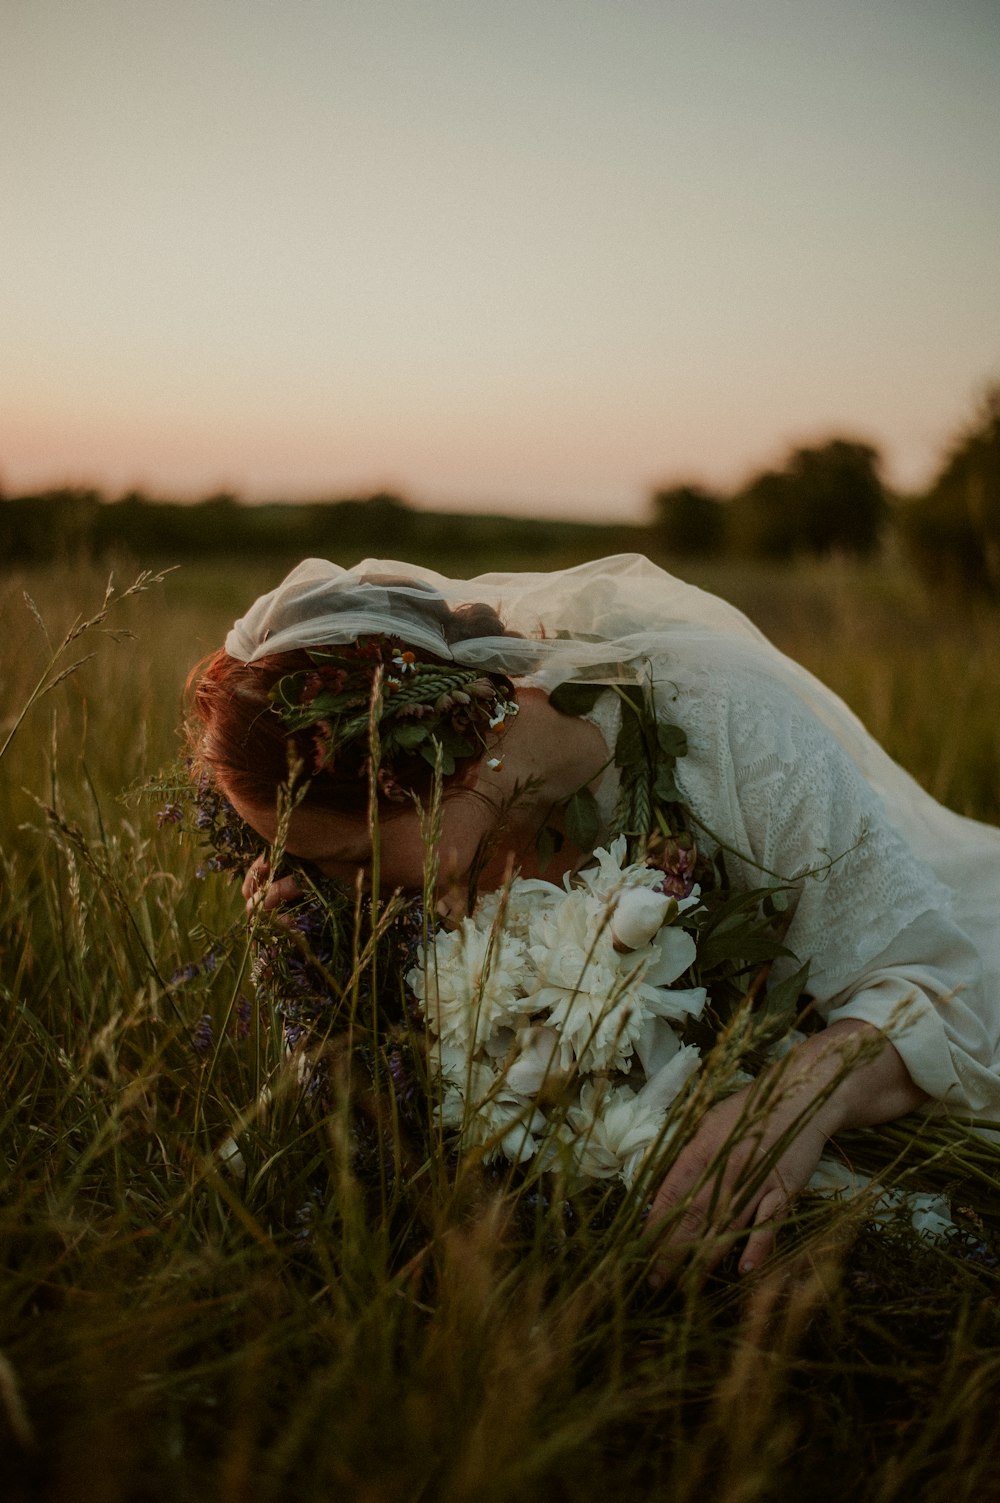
532	255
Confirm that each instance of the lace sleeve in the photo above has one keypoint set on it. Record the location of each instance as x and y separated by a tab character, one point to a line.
802	810
873	920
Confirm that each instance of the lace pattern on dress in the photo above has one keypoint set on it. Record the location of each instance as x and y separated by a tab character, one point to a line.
771	782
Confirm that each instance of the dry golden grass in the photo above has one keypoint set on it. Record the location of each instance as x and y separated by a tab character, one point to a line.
169	1332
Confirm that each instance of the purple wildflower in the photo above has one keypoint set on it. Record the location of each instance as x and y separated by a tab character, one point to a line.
677	859
404	1085
204	1035
243	1012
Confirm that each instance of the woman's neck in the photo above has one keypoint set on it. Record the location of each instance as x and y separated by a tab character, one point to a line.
552	753
545	758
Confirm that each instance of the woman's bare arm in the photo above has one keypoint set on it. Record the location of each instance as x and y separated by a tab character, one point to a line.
815	1092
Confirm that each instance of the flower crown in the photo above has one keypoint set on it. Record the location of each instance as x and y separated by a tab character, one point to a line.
429	710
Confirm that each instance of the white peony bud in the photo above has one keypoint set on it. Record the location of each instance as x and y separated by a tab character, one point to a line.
638	915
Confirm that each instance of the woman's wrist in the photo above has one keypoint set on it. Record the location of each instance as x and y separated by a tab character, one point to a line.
867	1079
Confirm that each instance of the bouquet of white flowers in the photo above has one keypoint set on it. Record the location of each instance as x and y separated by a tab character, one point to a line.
553	1016
556	1021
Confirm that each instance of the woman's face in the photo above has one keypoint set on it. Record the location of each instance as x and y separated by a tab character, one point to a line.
340	844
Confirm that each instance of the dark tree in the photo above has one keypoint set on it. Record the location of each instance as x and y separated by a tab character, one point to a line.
826	500
954	530
48	524
765	521
839	497
689	522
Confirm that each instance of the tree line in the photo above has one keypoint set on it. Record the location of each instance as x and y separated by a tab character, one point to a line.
831	499
823	500
75	522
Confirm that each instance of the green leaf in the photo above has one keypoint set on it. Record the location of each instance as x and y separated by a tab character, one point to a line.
325	706
782	999
574	698
730	908
743	948
408	737
322	657
583	820
672	740
286	691
776	902
630	750
429	753
665	788
454	743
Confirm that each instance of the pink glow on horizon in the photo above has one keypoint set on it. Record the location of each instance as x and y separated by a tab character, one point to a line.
485	257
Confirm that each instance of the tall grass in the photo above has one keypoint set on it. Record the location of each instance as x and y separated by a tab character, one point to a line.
176	1325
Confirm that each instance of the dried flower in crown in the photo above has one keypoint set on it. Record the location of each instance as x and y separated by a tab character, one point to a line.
425	710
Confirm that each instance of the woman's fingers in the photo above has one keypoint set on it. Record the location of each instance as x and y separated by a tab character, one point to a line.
256	877
754	1152
760	1243
686	1216
696	1199
730	1177
260	893
284	890
715	1217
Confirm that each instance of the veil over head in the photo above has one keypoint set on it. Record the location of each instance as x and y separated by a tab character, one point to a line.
566	620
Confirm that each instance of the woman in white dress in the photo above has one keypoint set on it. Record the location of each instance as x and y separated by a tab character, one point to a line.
896	901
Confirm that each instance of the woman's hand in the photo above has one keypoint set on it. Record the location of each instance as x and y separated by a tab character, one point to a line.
719	1190
754	1152
260	892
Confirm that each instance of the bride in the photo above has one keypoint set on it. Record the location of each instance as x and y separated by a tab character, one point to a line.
895	900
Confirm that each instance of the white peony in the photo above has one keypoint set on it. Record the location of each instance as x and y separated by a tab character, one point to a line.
518	904
608	876
581	983
483	1109
537	1061
472	982
613	1127
638	915
609	1125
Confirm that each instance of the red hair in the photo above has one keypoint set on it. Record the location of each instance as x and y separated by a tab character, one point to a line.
245	746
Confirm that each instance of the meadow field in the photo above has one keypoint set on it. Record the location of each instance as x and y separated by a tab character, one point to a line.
173	1329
